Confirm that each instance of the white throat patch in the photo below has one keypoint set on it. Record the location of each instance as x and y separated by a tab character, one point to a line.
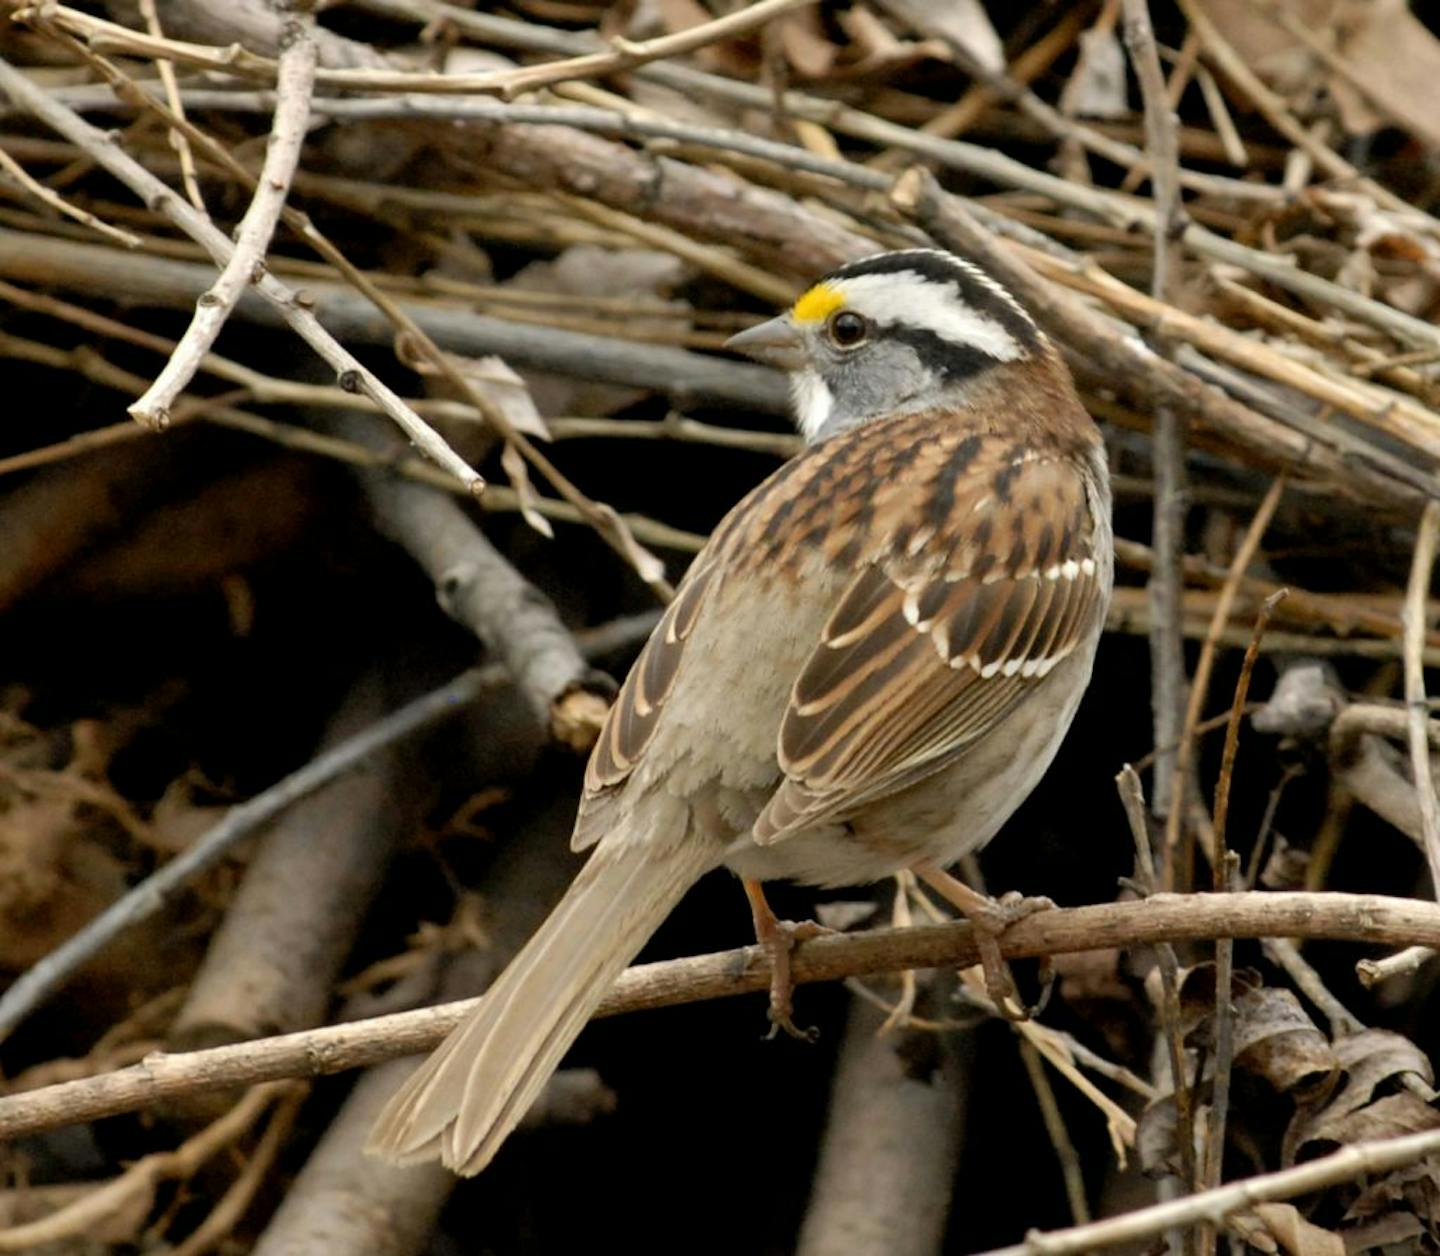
906	298
813	402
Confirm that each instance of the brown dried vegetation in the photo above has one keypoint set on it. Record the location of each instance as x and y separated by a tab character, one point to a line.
242	808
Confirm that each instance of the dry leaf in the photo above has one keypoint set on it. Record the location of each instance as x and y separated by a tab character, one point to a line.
1390	1117
178	819
649	568
1397	59
1296	1236
802	38
1155	1138
1392	1232
1097	87
845	914
1099	990
1276	1040
506	391
1285	867
120	1226
519	475
963	24
646	275
1196	993
1089	976
1265	46
1390	68
1368	1060
729	56
869	37
1377	1056
1416	1185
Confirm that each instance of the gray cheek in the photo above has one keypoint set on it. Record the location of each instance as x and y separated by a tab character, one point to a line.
874	381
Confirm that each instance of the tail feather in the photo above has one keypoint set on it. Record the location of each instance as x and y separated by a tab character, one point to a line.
463	1101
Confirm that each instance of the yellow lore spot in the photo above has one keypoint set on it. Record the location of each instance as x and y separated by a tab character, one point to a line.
818	304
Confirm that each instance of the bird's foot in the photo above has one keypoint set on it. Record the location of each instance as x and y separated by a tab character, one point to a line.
779	938
989	918
779	943
989	922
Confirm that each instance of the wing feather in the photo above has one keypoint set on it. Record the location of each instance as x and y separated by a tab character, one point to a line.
934	642
635	713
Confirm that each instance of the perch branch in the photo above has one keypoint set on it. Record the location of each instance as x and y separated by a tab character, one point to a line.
1368	918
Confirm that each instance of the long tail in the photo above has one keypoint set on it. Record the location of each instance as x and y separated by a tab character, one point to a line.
463	1101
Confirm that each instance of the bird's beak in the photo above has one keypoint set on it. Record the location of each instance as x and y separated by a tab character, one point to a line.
776	343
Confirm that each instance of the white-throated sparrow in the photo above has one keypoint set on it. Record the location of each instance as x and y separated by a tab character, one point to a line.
867	668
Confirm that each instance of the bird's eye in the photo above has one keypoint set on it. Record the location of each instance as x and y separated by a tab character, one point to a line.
847	329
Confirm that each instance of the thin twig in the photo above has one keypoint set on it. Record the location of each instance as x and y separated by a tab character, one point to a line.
624	54
1232	731
145	899
627	55
1284	953
177	284
1373	972
1408	422
48	196
1417	595
221	411
1200	685
139	1181
976	160
170	84
1132	798
240	1194
353	374
1167	638
1215	1206
1060	1139
1162	140
252	239
601	517
110	37
1417	718
1127	363
1221	868
1234	69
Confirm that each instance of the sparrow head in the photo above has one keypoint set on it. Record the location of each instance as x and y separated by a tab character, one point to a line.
891	334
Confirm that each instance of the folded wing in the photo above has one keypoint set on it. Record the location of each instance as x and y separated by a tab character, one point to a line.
929	649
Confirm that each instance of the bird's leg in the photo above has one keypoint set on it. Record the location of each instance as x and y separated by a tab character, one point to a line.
779	938
989	918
